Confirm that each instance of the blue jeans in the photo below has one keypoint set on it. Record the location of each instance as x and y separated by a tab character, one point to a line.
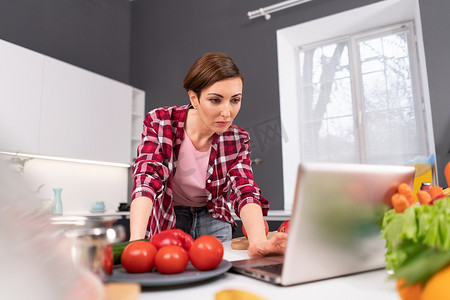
197	221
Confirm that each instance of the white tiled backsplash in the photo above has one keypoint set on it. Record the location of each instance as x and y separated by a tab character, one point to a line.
82	184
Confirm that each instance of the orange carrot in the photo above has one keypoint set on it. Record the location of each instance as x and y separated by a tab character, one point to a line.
399	202
424	197
447	173
409	291
435	191
405	190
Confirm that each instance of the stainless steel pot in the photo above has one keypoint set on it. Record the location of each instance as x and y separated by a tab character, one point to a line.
88	238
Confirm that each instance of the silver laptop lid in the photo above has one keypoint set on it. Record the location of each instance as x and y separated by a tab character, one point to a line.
335	220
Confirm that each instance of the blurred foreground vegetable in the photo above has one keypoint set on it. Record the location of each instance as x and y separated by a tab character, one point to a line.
418	240
409	291
424	197
233	294
438	287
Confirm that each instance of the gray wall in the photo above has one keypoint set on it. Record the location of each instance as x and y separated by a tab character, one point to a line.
91	34
436	34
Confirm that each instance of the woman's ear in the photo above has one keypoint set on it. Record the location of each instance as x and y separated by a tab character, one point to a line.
193	98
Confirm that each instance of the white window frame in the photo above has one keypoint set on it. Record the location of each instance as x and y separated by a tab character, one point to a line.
352	42
370	17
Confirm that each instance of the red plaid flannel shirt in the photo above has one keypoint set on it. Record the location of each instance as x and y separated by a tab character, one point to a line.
229	172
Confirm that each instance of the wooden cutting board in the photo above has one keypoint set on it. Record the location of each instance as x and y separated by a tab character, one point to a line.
122	291
241	243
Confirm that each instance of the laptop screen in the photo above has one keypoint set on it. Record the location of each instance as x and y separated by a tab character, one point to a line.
335	222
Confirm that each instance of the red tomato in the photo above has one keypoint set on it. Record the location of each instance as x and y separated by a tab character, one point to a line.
284	227
172	237
206	253
138	257
266	227
108	259
171	259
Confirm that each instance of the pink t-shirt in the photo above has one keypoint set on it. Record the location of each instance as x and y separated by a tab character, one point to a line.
189	180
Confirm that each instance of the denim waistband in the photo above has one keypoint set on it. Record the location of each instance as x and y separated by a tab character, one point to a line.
181	208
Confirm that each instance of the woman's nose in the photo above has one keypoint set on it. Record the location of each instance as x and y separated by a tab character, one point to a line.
226	111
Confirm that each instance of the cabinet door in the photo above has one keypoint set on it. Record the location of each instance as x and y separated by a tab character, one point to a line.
20	95
84	115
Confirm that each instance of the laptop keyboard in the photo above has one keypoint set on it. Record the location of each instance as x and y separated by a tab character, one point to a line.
275	268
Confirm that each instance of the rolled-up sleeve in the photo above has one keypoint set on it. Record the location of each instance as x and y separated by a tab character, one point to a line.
149	170
243	189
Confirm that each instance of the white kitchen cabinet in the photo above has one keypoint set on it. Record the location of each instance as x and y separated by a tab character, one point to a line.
137	120
20	98
51	108
84	115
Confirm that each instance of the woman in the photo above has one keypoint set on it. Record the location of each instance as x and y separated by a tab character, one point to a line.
192	159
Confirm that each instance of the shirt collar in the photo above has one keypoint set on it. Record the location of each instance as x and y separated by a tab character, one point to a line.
182	121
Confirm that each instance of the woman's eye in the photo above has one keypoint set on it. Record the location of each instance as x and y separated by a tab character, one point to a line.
214	100
236	100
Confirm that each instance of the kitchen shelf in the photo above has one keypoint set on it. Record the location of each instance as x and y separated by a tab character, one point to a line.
137	119
138	106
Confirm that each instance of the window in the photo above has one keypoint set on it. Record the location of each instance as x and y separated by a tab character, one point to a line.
352	89
359	99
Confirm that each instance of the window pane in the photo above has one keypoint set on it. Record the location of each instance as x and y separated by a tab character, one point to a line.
334	143
393	133
395	45
375	92
398	78
328	130
373	65
392	136
369	49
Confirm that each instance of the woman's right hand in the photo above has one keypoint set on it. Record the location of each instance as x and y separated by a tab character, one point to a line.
274	245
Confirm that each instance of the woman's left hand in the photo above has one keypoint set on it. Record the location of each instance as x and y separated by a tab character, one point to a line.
275	245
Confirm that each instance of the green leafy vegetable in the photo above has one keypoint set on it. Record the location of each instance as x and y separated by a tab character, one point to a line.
417	240
423	264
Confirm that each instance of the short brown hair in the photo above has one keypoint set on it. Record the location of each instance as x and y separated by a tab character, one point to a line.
208	69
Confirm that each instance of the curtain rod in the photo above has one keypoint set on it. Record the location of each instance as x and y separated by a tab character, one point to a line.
266	11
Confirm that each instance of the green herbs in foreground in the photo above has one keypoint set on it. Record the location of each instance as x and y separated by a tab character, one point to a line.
417	240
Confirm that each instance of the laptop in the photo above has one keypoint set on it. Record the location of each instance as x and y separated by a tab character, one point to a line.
335	223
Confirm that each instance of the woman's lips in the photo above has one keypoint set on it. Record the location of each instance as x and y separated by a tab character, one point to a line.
222	124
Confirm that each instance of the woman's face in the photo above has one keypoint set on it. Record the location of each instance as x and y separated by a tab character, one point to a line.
219	104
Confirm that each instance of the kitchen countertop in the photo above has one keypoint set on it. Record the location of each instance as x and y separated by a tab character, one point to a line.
87	213
367	286
273	215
